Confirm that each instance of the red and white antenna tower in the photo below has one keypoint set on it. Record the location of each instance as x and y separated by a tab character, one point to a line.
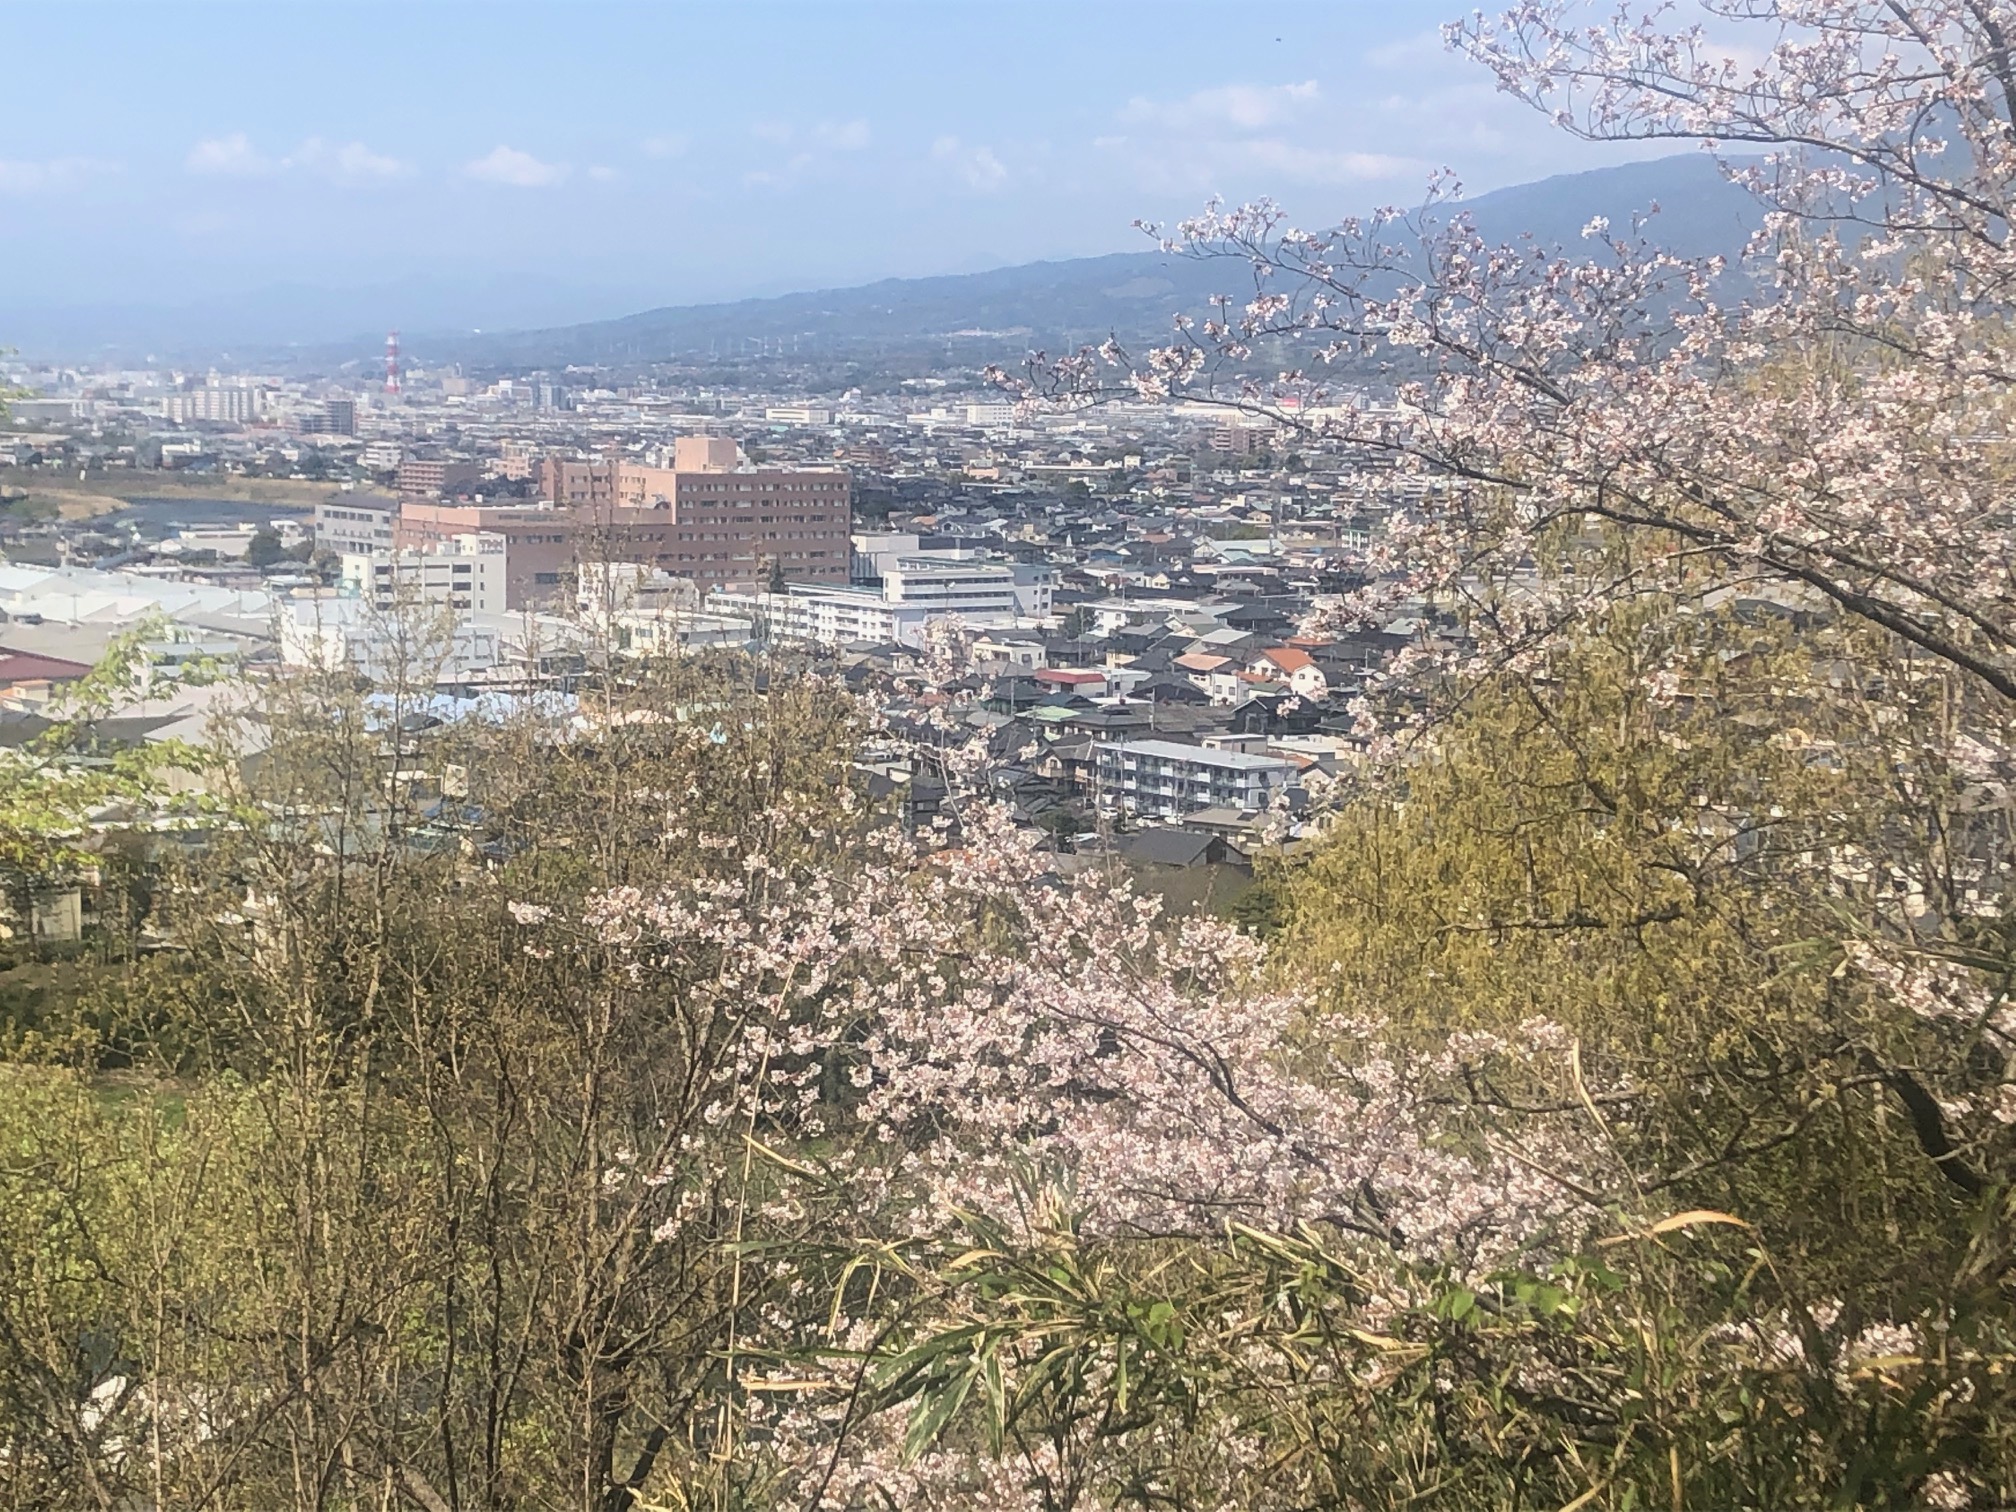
392	363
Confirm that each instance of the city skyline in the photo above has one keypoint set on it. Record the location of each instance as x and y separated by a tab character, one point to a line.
598	158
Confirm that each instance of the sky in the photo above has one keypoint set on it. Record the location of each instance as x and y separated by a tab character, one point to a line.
586	157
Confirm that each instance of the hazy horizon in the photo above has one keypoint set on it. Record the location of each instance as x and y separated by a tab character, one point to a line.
547	165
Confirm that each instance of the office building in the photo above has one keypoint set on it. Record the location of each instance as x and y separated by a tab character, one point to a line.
541	543
353	526
463	572
713	518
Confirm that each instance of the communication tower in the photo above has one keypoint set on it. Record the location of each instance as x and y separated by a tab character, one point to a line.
392	364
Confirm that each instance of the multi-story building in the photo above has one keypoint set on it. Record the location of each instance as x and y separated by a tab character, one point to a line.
578	484
977	590
952	582
835	616
356	527
464	572
1165	777
431	477
712	518
218	403
542	543
516	460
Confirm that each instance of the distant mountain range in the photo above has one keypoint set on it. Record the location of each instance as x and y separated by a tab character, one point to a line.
1058	304
906	323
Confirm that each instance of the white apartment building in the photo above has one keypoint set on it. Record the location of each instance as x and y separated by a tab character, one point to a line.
830	616
1165	777
464	572
228	405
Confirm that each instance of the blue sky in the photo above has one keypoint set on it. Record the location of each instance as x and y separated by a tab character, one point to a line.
641	154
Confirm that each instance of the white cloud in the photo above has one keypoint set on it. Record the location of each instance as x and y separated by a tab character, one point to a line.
515	169
811	145
671	144
18	176
978	167
841	136
1242	107
234	156
349	163
230	156
603	174
1237	138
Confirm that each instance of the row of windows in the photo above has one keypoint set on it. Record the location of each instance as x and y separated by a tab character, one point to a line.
740	535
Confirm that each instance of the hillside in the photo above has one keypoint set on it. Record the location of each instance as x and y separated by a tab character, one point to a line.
1051	304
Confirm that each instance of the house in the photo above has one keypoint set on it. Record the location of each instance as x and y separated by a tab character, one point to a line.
1290	665
1082	680
29	680
1170	846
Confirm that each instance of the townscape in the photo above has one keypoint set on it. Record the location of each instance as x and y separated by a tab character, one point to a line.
1129	584
1307	870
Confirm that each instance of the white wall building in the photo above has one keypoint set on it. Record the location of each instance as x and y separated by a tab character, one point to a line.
361	526
831	616
465	572
1165	777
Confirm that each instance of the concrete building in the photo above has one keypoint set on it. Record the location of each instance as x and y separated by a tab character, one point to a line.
980	591
353	634
951	582
354	526
578	484
714	519
540	543
1164	777
431	477
217	403
834	616
464	572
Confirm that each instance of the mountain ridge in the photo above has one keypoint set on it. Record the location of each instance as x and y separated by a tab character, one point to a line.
1061	302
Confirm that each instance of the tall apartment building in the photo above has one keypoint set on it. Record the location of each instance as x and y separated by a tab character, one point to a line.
713	519
540	543
231	405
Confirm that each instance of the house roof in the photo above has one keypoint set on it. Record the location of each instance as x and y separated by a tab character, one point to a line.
1287	658
1202	661
1169	847
1068	675
30	666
